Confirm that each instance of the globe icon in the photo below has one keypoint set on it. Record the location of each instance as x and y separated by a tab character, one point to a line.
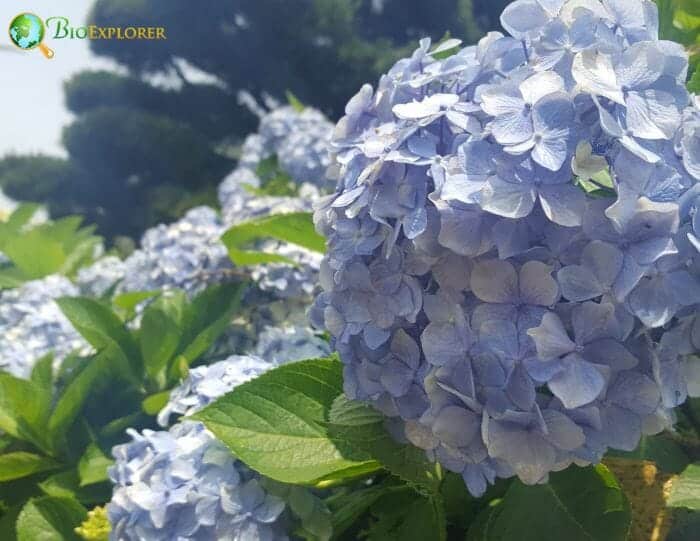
27	32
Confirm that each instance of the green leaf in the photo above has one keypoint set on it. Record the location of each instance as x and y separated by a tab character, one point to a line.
578	504
690	6
102	371
42	372
23	251
480	528
595	190
694	83
21	216
666	453
348	508
98	325
50	519
685	492
294	101
276	423
62	245
24	409
93	465
685	525
159	338
314	516
206	317
126	303
460	506
66	484
447	47
154	403
405	516
21	464
295	228
8	520
12	277
358	430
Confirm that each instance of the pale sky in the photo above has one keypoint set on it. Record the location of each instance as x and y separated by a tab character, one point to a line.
32	110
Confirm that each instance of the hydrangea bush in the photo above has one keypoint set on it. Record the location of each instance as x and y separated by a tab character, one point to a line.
510	289
512	266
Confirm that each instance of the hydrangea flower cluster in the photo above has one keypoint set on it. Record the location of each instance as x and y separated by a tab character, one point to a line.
32	325
289	344
97	279
183	483
204	384
511	321
299	140
186	254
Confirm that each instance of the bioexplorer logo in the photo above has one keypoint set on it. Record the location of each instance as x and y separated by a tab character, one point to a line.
27	31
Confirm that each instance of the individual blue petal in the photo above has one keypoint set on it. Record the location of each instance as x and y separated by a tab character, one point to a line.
536	284
603	260
592	321
652	114
551	339
578	283
495	281
595	73
652	303
520	388
635	392
523	17
443	343
622	428
531	457
564	204
508	199
578	384
562	431
456	426
672	383
611	353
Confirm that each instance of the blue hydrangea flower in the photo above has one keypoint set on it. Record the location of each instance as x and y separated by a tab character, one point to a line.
101	276
32	325
279	345
205	384
184	484
299	140
513	264
187	255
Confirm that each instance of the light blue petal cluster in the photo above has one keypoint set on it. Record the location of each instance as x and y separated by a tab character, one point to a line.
183	484
299	140
513	270
97	279
32	325
205	384
186	254
280	345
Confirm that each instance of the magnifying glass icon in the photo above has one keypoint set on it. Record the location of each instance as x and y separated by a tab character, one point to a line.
27	32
